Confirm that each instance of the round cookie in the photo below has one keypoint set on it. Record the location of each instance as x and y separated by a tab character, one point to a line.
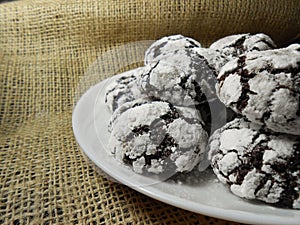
158	138
235	45
169	43
181	77
264	87
257	164
123	89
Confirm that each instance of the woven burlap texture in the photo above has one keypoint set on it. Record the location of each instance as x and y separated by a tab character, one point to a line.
45	49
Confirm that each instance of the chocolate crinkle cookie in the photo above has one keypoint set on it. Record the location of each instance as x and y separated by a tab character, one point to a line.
188	82
124	89
183	76
169	43
256	163
235	45
264	87
158	138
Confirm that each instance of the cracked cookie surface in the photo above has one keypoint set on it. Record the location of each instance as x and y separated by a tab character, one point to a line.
158	138
181	77
264	87
257	164
169	43
123	89
233	46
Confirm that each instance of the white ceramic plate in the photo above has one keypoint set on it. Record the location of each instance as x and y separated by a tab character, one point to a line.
198	192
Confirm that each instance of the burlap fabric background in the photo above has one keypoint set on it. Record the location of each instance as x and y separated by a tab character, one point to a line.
45	48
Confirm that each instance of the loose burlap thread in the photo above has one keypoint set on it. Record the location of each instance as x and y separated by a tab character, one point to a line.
46	47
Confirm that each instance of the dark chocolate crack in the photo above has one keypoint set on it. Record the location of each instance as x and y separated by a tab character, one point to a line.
250	161
150	87
286	170
193	44
166	118
183	81
244	97
157	50
123	81
200	96
170	116
156	128
238	45
163	151
165	147
238	69
110	91
294	71
140	130
152	68
245	76
126	80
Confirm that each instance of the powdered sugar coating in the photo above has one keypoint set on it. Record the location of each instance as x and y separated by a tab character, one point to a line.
158	138
265	87
235	45
169	43
123	89
257	164
123	108
181	77
213	57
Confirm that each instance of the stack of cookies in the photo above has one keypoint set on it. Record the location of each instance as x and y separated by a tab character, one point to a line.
258	154
156	125
238	102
